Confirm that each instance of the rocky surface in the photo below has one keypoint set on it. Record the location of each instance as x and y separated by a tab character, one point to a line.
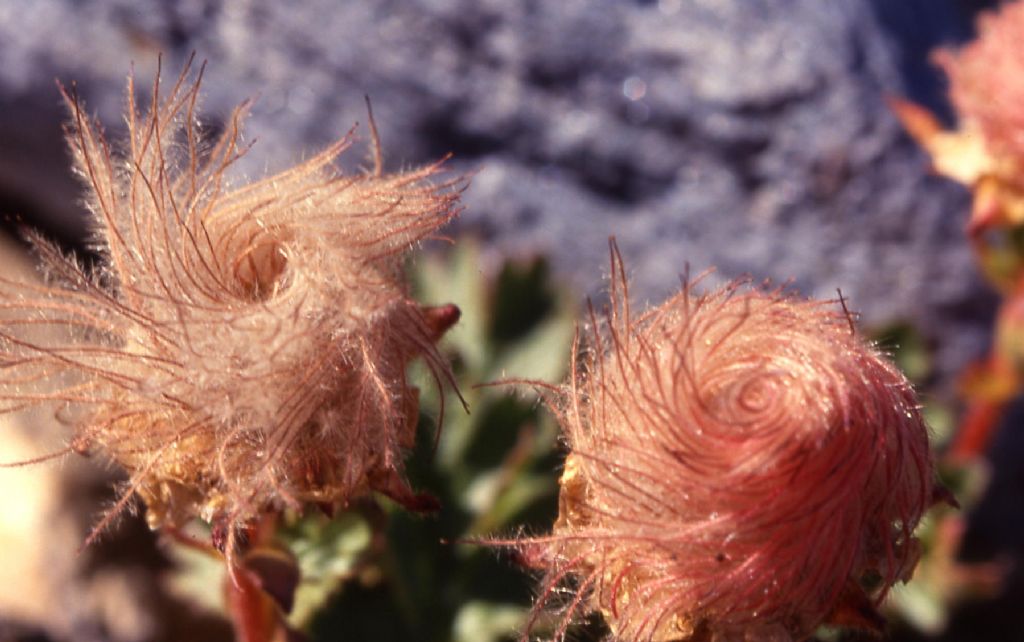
751	135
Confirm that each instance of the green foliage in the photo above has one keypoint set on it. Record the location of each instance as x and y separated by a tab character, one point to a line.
492	468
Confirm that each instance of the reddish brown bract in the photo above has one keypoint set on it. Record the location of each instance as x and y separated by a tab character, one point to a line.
240	348
742	467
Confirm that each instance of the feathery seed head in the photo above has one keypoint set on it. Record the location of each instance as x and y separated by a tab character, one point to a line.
239	348
742	467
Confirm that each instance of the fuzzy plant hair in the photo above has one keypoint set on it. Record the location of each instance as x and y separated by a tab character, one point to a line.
742	466
238	348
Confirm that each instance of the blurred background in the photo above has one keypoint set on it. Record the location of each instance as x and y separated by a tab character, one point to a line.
752	136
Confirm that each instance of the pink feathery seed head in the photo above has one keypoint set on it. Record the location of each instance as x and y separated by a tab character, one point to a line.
742	466
987	79
240	348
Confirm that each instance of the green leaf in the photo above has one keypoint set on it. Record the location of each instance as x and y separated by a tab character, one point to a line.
327	551
487	622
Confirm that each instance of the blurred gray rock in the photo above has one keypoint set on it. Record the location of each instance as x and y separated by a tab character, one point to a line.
749	135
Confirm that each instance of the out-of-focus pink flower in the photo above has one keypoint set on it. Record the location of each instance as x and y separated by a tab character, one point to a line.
742	466
987	80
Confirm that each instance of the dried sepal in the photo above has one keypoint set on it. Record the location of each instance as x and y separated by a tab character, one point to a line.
239	348
742	466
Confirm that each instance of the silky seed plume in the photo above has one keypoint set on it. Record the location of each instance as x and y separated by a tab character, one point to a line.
741	466
238	348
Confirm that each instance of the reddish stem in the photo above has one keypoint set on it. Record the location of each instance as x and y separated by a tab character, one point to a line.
251	612
976	430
